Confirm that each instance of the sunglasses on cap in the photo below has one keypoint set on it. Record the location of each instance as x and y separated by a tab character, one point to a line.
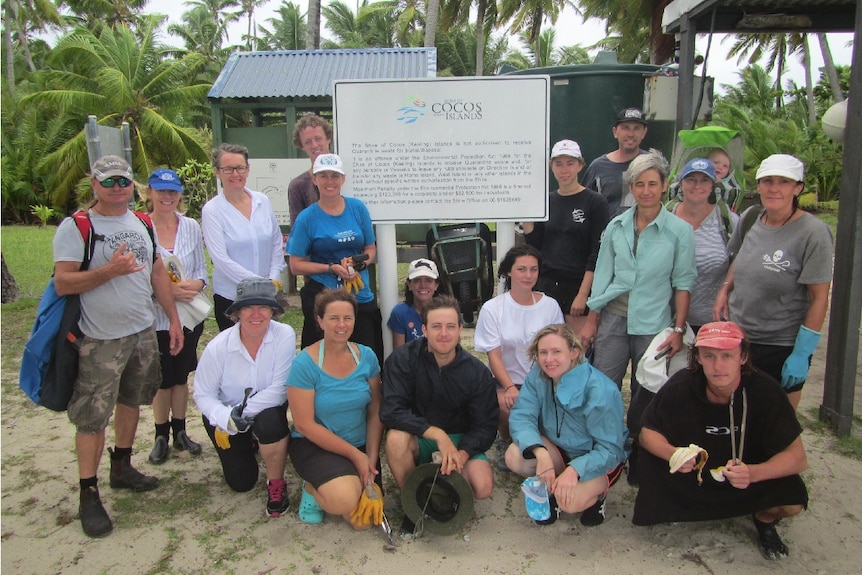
110	182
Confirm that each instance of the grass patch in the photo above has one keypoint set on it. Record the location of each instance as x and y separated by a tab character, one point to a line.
850	446
29	254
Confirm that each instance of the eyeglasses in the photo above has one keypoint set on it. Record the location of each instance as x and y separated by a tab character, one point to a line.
229	170
110	182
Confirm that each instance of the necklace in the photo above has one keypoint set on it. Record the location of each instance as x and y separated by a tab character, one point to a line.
787	219
558	421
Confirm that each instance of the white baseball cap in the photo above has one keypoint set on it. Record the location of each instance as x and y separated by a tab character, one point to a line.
328	163
567	148
422	267
783	165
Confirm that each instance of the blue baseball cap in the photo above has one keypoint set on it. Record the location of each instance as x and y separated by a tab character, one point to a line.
165	179
701	165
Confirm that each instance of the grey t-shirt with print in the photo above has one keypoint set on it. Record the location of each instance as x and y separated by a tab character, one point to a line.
123	305
771	274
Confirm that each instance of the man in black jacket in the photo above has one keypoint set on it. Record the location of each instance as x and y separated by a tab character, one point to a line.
438	397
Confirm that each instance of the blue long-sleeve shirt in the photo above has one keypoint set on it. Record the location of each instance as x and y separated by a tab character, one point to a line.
664	263
583	417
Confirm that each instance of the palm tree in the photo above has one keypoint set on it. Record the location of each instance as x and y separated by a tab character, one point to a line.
374	25
432	15
118	78
23	18
830	69
111	13
312	37
248	7
220	10
456	52
288	29
635	25
528	15
457	12
549	54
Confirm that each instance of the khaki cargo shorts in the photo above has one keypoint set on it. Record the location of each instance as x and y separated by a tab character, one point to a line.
110	371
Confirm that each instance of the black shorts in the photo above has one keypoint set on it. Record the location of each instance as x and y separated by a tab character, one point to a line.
770	359
176	368
564	290
318	466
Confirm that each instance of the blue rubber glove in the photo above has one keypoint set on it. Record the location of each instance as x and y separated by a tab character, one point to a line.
241	422
795	368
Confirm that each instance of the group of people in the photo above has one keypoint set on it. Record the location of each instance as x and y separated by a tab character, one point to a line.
612	270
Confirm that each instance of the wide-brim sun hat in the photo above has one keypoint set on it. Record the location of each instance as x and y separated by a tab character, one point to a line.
783	165
165	179
328	163
447	500
255	291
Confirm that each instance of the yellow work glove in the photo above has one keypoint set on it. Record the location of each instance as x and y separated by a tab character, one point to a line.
354	285
369	510
222	438
277	285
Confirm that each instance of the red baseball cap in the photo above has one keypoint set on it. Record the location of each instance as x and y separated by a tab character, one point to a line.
720	335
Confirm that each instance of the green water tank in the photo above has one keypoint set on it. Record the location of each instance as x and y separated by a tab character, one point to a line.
585	100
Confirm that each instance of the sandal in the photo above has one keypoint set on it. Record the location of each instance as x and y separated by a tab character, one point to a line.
309	511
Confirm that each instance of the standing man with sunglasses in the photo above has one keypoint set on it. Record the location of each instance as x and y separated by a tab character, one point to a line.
119	357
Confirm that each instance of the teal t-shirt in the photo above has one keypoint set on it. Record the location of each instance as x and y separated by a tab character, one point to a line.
340	405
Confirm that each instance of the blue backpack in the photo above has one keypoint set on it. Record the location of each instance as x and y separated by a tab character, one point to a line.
49	365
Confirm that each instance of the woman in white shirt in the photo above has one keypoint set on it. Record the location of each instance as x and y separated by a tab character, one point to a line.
241	233
506	326
239	388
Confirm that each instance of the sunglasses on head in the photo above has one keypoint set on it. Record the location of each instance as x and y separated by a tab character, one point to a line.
109	182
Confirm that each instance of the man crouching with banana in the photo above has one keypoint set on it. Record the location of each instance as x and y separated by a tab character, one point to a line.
721	440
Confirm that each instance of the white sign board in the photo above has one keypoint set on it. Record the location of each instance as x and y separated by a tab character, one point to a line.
453	149
271	176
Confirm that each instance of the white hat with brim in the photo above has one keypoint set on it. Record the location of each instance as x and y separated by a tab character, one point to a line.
783	165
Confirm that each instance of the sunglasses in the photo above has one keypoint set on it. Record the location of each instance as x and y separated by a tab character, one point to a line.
110	182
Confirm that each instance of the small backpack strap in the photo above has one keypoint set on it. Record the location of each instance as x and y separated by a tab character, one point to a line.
145	219
85	227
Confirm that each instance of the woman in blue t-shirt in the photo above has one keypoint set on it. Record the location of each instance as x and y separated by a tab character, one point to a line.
333	391
422	284
325	237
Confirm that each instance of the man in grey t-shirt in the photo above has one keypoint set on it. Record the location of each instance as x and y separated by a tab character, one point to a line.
118	367
605	173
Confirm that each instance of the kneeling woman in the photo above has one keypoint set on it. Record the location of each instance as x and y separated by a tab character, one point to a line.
239	388
567	427
334	394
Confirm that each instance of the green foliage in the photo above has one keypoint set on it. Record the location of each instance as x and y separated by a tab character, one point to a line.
750	108
44	213
199	185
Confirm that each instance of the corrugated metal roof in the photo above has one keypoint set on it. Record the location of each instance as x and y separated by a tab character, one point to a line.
310	73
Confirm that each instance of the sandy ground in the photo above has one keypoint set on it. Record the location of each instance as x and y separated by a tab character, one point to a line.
194	524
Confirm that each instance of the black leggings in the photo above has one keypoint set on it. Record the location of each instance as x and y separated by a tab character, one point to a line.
238	463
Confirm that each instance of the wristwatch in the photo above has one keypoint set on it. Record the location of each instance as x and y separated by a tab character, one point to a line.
677	329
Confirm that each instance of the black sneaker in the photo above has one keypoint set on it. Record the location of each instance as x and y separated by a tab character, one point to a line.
771	545
555	513
595	514
276	498
182	442
408	528
160	451
94	519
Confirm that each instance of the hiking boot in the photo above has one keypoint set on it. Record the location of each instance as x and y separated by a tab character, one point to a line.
500	456
595	514
555	513
160	451
309	511
771	545
276	499
182	442
94	519
124	476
